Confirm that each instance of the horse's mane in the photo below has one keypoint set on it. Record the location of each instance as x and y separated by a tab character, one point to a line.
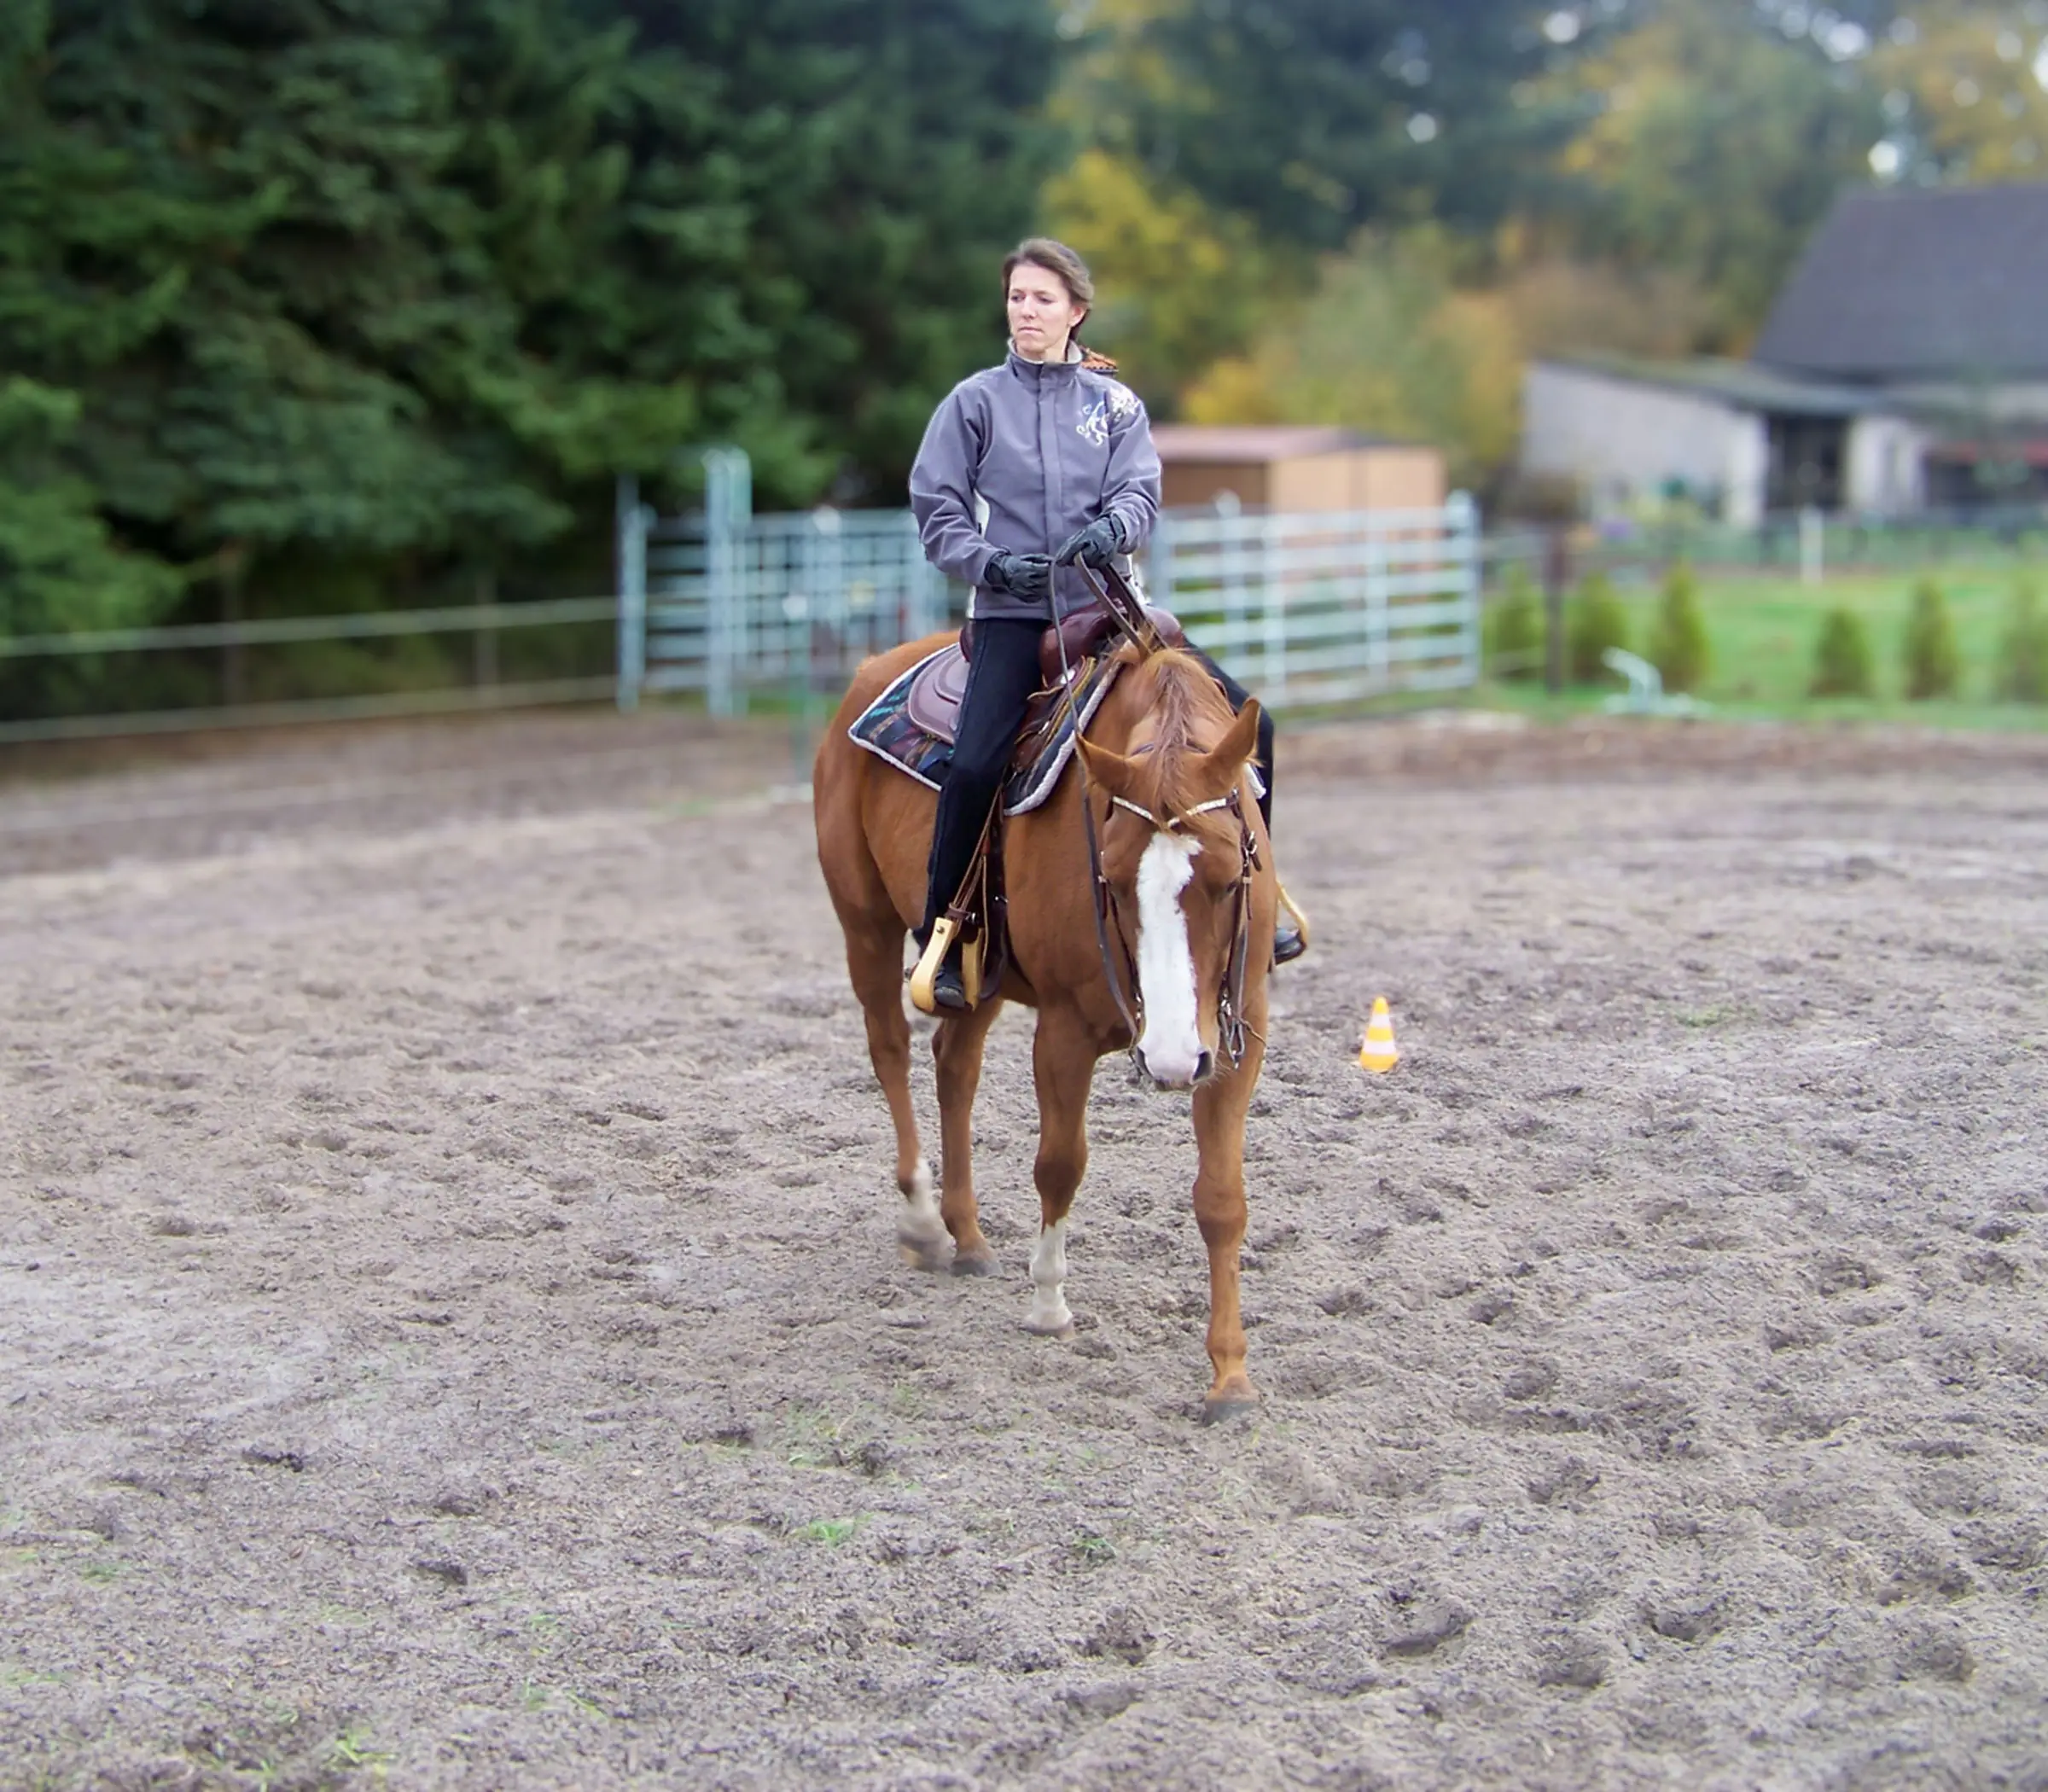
1188	714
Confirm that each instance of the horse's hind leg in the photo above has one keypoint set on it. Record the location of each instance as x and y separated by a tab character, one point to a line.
956	1049
1063	1067
875	960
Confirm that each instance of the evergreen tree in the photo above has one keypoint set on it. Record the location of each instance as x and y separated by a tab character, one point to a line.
864	166
400	284
1316	119
60	570
317	356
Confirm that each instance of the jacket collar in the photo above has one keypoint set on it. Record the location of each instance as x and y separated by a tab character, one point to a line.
1037	373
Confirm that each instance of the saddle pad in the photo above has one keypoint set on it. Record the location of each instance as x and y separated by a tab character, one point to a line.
914	734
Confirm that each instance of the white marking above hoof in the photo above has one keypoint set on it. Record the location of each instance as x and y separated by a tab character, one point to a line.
1048	1315
920	1229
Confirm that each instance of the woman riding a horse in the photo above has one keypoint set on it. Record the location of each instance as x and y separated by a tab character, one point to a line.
1027	469
1141	909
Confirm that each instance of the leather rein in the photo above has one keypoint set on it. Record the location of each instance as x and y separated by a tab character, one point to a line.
1127	609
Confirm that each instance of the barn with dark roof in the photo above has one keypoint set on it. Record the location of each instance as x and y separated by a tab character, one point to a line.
1904	365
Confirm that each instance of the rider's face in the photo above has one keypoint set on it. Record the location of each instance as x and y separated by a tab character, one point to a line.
1043	313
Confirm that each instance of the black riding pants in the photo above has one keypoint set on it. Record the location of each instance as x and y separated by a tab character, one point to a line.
1001	678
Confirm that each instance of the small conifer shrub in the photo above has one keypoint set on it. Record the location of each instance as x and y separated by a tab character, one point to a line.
1515	630
1841	663
1933	664
1598	622
2023	661
1678	644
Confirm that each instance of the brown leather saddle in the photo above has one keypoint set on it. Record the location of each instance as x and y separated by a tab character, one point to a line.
940	686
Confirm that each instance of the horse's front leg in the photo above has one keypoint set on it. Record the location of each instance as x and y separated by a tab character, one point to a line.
1063	1064
956	1049
1220	1107
875	958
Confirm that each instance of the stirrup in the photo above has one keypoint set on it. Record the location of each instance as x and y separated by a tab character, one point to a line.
924	980
1294	908
1290	907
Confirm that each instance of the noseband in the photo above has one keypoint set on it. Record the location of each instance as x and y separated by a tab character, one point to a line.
1230	1025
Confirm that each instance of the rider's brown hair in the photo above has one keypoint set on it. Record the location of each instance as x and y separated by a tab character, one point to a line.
1072	273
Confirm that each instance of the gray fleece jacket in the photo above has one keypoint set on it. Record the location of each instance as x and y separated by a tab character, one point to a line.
1017	458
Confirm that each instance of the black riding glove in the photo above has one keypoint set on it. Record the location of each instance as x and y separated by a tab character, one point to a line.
1028	576
1097	544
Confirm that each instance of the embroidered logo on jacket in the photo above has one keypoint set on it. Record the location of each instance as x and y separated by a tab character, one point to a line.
1094	426
1123	401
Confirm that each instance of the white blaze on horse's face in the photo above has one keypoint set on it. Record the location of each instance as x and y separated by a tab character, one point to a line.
1171	1048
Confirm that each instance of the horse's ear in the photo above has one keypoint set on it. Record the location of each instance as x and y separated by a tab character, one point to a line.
1110	769
1224	764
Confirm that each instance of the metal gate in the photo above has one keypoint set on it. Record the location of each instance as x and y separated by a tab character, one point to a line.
733	605
1314	607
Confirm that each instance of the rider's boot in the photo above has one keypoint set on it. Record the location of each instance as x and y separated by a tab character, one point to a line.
1290	930
939	986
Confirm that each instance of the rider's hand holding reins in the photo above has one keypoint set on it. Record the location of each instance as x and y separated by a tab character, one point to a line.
1022	575
1096	545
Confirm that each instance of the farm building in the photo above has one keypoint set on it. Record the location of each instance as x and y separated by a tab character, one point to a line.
1904	365
1287	468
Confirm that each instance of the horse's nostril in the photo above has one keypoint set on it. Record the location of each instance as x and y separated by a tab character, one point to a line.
1203	1065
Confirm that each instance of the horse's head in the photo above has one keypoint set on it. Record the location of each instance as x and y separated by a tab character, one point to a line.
1175	841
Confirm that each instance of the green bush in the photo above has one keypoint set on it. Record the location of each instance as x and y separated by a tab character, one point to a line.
1934	665
1514	630
1678	642
2023	663
1596	622
1841	664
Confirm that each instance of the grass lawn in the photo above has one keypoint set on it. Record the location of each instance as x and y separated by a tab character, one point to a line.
1762	631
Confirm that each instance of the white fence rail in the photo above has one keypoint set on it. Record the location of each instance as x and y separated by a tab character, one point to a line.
486	624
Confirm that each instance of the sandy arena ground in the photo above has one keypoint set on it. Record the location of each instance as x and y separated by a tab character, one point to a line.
450	1333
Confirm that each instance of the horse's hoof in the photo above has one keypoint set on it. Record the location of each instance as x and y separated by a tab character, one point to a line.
1233	1403
975	1263
1063	1331
922	1253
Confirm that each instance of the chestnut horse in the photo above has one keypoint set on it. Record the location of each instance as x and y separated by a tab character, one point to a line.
1189	872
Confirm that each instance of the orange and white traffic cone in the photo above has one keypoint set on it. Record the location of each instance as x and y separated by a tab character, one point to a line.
1376	1051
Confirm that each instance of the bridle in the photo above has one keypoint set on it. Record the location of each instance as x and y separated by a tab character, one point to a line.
1126	609
1231	1027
